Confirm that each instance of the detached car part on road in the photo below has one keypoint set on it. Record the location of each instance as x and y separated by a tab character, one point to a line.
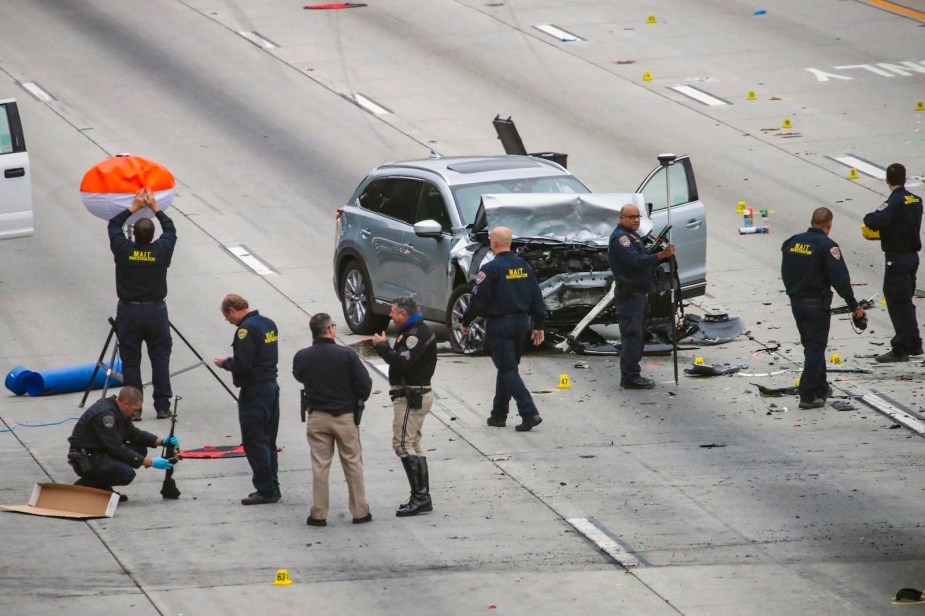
420	228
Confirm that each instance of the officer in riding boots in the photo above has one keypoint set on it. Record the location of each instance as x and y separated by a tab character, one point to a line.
507	294
899	221
141	284
412	361
811	265
106	447
634	275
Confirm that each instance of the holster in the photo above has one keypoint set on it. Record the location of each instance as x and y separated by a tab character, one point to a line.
80	460
303	405
358	413
415	398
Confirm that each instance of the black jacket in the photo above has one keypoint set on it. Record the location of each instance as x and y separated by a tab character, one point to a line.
104	430
504	286
141	269
414	356
812	264
334	377
256	352
632	266
899	221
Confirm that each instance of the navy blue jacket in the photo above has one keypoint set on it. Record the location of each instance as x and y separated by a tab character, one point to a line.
899	221
104	430
633	268
141	269
504	286
256	352
334	377
812	265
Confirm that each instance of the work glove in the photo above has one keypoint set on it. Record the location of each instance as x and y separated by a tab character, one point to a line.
170	440
161	464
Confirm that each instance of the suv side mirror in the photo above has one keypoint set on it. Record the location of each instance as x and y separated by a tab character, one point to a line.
649	209
428	228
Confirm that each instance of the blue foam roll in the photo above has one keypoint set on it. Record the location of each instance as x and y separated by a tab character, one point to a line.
67	380
15	380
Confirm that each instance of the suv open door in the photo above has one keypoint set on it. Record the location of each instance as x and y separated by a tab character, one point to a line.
688	220
16	179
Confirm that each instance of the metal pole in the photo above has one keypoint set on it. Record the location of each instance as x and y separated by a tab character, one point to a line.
666	160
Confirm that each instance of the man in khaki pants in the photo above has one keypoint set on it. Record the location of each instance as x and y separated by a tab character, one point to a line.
336	387
412	362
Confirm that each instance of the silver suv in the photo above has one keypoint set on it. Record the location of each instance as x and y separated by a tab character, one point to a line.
419	228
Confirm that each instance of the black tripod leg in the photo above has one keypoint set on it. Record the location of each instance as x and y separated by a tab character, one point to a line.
99	362
204	363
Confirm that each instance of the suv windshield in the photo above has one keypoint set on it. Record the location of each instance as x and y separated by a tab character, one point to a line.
469	196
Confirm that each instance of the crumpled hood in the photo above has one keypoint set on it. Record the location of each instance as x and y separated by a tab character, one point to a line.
587	218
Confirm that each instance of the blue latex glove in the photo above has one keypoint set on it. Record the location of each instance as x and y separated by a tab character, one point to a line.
161	464
170	440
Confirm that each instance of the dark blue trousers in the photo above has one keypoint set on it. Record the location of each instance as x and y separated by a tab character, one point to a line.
631	317
148	323
505	338
898	289
106	472
258	413
813	317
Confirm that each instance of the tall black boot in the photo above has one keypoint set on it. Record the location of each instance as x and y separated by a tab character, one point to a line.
408	464
420	501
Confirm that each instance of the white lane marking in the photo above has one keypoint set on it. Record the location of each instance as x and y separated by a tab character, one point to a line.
244	256
559	33
699	95
259	40
865	167
885	408
610	547
382	369
368	104
37	91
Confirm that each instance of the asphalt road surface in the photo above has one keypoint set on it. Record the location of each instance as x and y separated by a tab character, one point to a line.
696	498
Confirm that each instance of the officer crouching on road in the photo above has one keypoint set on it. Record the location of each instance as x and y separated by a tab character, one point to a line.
634	276
412	362
106	447
507	294
899	221
811	265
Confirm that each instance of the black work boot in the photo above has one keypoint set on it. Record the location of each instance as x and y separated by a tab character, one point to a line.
409	471
420	501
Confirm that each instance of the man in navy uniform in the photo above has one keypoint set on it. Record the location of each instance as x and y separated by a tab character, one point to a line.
106	447
634	276
507	294
141	284
253	368
899	221
811	265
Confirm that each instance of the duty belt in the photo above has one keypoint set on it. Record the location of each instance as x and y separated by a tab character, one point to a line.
424	389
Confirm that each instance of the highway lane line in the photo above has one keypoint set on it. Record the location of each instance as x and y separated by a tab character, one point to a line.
258	39
558	33
382	369
865	167
37	91
364	102
599	537
894	411
242	254
699	95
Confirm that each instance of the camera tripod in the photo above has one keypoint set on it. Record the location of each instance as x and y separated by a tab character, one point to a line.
112	374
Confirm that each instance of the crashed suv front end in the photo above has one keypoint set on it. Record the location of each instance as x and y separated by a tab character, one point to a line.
564	238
